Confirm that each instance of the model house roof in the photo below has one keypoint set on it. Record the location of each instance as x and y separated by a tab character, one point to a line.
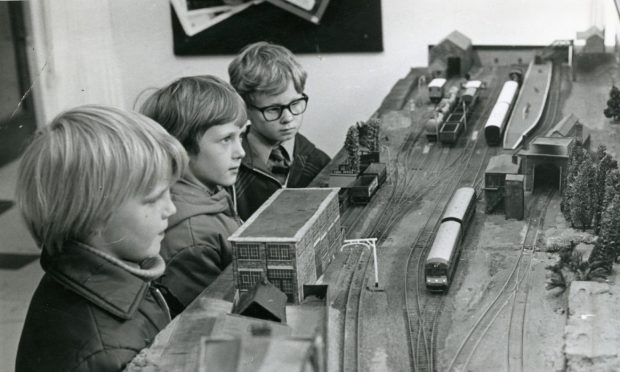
458	39
502	164
264	301
286	215
592	31
548	146
563	127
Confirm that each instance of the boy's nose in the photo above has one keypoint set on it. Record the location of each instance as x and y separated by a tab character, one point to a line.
169	207
287	116
239	151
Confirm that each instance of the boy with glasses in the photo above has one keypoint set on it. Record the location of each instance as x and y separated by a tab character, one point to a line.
272	82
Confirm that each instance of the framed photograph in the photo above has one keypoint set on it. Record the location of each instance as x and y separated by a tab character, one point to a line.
223	27
310	10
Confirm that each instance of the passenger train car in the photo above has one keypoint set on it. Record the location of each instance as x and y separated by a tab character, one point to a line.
436	89
444	253
494	127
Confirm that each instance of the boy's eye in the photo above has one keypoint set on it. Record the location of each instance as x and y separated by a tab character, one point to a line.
155	198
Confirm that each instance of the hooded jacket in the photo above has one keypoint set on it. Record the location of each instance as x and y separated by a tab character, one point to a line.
255	184
90	312
195	246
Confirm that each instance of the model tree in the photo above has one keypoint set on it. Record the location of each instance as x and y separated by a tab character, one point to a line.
369	134
605	164
352	147
372	134
607	248
581	201
576	157
612	187
613	104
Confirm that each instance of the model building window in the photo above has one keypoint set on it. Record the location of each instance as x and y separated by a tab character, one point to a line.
282	279
247	279
248	251
278	252
280	274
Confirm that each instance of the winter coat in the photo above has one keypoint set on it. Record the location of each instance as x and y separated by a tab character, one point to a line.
90	312
195	246
255	184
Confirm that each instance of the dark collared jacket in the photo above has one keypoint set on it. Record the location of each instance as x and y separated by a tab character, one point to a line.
88	314
255	184
196	247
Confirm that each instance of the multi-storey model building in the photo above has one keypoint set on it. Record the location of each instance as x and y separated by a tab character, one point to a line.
290	240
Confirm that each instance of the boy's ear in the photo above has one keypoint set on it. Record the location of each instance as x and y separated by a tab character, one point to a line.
244	128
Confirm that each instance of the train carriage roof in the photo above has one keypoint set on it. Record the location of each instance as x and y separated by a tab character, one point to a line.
437	82
497	116
508	91
470	91
446	239
459	203
472	84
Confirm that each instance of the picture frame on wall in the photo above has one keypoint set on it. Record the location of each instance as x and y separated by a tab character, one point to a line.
223	27
310	10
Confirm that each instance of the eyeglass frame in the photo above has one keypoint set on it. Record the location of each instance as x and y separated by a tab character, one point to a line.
304	97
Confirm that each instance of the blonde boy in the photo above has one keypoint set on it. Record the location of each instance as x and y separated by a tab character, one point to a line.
93	187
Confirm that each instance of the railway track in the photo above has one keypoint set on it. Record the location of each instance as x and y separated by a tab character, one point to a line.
515	354
422	318
412	177
513	292
352	331
405	179
353	317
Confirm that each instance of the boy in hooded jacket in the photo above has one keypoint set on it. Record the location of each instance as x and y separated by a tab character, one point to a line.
207	116
94	190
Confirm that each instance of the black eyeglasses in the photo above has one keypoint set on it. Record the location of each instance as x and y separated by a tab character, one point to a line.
274	112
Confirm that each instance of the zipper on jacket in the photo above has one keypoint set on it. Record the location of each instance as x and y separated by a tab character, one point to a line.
271	177
162	301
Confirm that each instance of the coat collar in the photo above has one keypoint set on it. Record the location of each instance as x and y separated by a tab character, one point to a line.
258	151
108	283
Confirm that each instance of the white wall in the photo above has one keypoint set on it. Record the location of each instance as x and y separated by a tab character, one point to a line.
345	88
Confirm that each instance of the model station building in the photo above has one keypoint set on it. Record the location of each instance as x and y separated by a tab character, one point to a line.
289	240
545	159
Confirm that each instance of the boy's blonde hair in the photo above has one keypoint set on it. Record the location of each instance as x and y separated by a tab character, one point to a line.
265	68
188	107
80	168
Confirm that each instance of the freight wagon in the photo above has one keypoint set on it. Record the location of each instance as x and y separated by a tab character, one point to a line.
368	183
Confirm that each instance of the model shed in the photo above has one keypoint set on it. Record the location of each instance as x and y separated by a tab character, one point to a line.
290	240
454	53
593	39
498	169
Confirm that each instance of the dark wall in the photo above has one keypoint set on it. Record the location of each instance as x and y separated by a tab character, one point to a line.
347	26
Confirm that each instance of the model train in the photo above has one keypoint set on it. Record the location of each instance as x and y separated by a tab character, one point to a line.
367	183
443	256
442	110
494	127
456	122
435	89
